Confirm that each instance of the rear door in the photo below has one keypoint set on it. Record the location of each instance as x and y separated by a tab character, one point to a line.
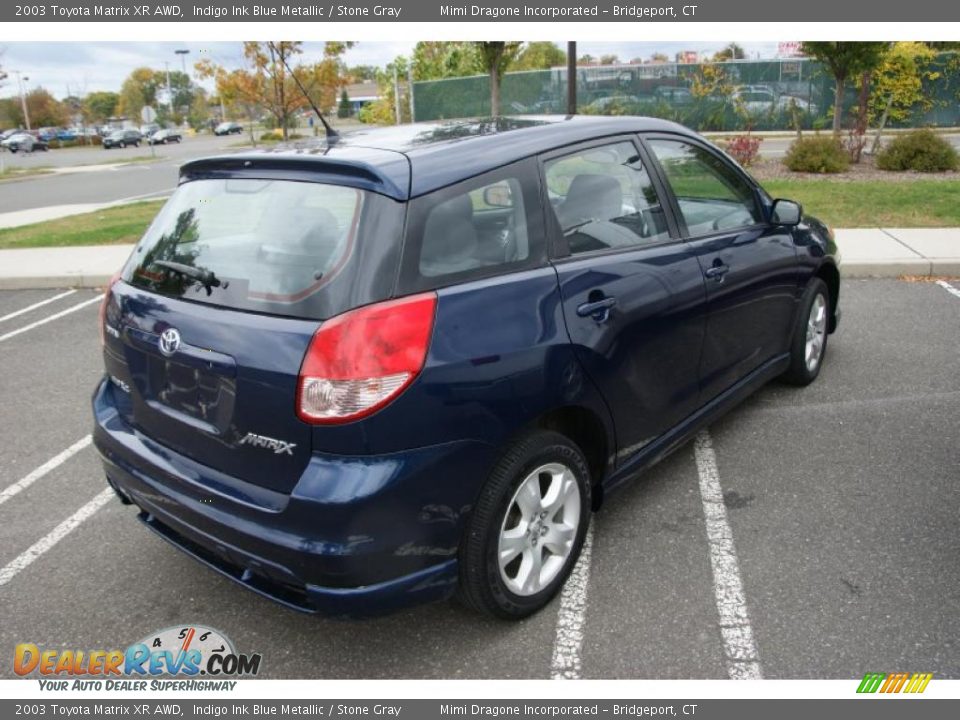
750	267
206	332
633	294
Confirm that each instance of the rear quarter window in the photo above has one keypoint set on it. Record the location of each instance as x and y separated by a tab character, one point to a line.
485	226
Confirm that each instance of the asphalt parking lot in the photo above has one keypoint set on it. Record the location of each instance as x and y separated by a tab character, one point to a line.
843	501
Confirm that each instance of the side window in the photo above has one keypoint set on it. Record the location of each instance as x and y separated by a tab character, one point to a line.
604	199
712	196
480	228
484	226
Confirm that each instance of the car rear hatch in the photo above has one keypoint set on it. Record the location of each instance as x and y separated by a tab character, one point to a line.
206	330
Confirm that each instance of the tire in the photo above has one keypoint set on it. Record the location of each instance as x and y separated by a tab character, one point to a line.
810	335
544	464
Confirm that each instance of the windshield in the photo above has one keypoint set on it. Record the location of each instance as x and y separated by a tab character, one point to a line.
264	245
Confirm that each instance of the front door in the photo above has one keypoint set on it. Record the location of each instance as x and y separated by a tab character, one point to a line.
750	266
633	294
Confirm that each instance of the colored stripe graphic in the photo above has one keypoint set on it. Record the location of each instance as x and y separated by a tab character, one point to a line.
894	682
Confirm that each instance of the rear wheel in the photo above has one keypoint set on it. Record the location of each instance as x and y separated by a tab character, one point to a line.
527	528
809	343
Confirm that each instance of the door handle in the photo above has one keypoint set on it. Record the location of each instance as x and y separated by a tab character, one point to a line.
717	270
599	310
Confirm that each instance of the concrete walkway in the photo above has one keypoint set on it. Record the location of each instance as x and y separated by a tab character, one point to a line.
877	252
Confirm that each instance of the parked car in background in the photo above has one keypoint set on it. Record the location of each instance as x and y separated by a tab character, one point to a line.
228	128
673	94
149	129
24	142
760	99
66	135
48	133
162	137
9	133
614	105
122	139
396	369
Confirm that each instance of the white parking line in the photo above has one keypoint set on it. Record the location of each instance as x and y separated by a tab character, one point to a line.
743	660
572	616
51	464
47	542
51	318
949	288
27	309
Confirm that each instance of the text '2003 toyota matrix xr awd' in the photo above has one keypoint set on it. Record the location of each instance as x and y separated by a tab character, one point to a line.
409	363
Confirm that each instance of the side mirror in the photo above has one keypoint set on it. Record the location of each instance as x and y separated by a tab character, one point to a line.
786	212
498	196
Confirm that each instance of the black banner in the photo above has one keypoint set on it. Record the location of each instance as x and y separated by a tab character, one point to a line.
482	11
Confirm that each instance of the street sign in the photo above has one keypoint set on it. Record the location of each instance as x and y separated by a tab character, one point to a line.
148	114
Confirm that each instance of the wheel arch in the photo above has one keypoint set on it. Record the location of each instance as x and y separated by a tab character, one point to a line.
830	275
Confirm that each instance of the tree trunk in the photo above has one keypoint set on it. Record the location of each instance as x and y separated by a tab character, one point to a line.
881	125
838	106
495	89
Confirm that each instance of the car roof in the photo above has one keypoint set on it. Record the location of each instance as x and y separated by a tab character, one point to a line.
406	161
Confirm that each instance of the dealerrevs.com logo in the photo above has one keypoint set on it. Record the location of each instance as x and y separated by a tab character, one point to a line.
185	653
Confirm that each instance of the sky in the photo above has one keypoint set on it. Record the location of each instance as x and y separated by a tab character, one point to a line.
77	68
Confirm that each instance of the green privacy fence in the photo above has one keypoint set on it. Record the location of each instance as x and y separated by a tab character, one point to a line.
760	95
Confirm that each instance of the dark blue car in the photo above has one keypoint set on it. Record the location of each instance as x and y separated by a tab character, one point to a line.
360	375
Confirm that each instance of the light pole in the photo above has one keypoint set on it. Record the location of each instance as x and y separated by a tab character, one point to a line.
23	97
183	59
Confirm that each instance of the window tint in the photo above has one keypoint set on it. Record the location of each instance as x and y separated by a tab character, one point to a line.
476	229
712	196
603	199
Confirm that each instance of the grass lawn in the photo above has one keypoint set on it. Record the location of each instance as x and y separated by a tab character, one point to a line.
860	204
112	226
15	173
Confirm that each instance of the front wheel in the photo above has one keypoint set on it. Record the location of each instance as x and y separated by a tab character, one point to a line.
809	343
527	528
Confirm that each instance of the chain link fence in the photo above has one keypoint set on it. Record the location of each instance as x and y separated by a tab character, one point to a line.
732	96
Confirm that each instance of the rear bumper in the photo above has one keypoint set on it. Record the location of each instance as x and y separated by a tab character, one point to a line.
356	536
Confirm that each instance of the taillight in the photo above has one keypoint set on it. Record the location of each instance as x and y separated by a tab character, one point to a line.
103	307
361	360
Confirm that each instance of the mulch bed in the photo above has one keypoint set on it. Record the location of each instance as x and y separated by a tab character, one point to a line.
866	170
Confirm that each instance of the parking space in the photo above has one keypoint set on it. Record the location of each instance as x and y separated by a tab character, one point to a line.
842	501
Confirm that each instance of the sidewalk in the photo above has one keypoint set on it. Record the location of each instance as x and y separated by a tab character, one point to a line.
875	252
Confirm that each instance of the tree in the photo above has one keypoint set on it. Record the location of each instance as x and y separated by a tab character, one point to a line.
267	82
44	109
731	52
138	90
586	59
659	58
898	84
438	60
609	60
845	60
539	56
100	105
496	56
344	109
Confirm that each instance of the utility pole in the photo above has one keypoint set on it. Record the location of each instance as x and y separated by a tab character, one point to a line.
169	91
413	109
23	97
396	93
571	78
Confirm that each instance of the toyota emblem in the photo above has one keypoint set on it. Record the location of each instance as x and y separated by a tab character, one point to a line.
169	341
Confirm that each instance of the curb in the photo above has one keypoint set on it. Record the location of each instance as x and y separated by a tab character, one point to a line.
53	282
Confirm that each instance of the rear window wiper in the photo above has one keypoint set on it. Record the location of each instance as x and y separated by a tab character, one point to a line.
205	277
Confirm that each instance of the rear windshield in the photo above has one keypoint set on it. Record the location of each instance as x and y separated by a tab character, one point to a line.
274	246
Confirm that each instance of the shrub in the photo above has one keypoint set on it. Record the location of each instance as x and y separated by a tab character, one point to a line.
745	149
818	154
920	150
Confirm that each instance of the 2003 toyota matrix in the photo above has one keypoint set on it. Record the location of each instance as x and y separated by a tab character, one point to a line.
410	362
